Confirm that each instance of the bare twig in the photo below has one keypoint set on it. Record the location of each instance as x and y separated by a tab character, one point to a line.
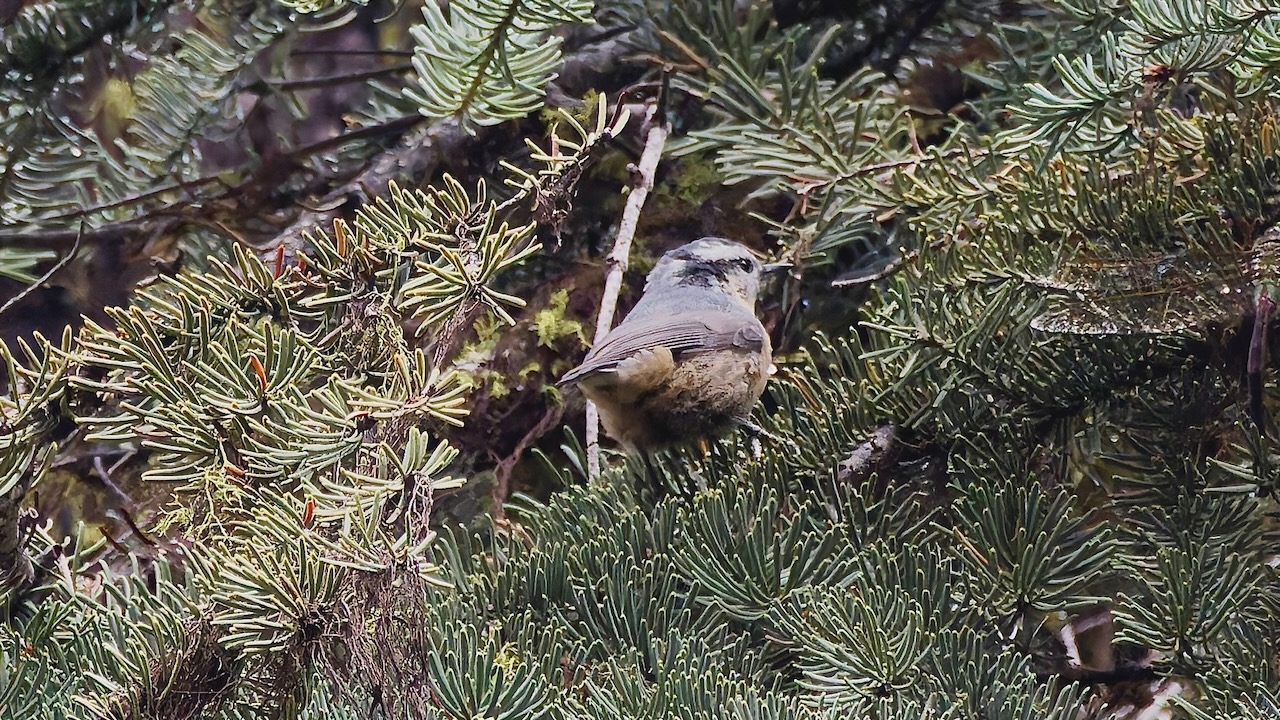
502	471
878	274
131	199
329	80
617	260
353	53
110	232
888	269
908	162
45	278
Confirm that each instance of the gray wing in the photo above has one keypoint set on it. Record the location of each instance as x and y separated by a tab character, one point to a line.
682	334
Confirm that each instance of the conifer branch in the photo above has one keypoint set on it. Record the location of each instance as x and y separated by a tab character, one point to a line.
486	61
421	154
1021	465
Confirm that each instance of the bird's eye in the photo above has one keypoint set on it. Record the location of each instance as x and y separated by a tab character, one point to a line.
745	265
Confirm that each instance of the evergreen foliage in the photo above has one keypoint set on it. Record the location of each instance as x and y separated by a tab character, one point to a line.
146	130
489	60
1061	400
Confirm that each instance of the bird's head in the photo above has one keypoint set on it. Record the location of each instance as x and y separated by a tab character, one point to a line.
713	263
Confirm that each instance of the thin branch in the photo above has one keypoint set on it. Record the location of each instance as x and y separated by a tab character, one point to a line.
45	278
353	53
878	274
908	162
133	198
111	231
617	260
328	80
390	127
501	490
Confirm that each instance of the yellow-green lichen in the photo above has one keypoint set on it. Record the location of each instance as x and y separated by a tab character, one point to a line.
476	355
550	323
585	114
697	180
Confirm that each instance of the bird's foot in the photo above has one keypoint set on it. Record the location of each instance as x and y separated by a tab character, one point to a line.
758	432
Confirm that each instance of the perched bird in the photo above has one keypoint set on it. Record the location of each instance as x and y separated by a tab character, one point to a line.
691	358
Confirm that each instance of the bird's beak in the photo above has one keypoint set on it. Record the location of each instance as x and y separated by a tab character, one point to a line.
776	266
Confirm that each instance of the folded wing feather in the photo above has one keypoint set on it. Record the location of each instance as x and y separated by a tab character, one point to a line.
682	334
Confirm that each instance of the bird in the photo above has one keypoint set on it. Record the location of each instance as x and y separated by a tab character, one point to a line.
691	359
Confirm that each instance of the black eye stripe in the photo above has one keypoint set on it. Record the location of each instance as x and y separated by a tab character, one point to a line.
743	264
719	264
